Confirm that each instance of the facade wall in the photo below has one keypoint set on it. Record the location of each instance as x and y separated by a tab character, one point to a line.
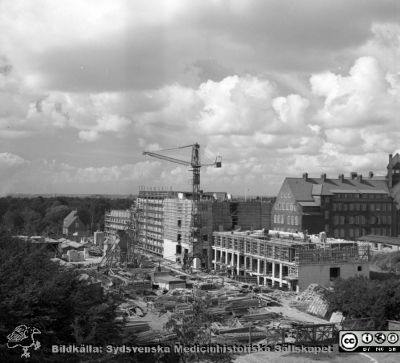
117	220
355	215
320	274
177	224
286	212
76	227
151	223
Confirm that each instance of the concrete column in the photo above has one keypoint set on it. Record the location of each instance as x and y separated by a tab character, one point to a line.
273	271
280	274
238	264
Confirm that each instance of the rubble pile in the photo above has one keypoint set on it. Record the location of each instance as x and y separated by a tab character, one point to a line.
313	301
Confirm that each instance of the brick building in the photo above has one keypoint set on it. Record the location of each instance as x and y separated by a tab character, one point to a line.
343	207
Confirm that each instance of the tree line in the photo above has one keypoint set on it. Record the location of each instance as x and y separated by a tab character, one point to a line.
44	216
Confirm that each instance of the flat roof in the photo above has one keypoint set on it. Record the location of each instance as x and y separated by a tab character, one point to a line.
380	239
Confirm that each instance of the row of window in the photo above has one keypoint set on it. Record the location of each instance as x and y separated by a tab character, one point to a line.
356	232
362	220
384	207
292	220
363	196
291	230
285	206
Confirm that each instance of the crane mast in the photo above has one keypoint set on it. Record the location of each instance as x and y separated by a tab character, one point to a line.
195	165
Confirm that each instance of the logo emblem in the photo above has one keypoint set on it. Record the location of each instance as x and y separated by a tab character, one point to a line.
348	341
380	338
367	338
392	338
23	336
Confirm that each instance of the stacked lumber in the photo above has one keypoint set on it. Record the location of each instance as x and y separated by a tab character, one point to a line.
241	303
136	326
259	316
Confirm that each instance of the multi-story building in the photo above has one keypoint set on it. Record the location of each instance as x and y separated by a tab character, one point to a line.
345	207
117	220
150	219
287	262
165	221
178	224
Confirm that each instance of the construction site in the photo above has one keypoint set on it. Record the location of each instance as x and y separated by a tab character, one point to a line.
173	249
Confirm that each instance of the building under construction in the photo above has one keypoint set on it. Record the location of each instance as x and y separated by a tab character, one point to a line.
287	261
165	221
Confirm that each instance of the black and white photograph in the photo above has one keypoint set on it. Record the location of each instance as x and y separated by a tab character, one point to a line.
200	181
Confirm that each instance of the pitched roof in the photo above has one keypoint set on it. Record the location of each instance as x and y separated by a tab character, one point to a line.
70	218
304	189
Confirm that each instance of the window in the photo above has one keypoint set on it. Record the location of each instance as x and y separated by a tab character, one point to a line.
389	207
336	220
372	207
274	218
351	233
292	220
341	219
351	220
334	273
296	220
326	214
345	207
288	220
351	207
336	233
179	223
359	268
334	207
341	232
364	207
179	237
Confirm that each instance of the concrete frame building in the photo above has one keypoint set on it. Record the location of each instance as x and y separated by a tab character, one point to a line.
287	262
117	220
165	221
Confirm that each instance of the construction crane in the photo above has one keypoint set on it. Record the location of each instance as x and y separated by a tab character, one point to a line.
195	165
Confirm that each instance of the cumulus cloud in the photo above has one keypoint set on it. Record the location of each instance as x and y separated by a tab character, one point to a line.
9	160
363	97
276	89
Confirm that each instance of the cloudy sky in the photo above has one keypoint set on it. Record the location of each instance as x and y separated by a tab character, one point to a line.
275	87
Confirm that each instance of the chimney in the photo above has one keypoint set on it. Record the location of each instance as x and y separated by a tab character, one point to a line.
323	177
305	176
371	174
353	175
360	178
341	178
390	172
